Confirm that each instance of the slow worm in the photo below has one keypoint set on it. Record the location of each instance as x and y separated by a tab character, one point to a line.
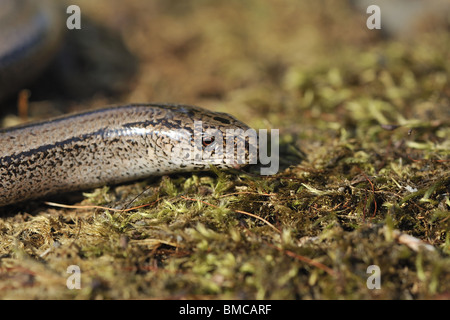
114	145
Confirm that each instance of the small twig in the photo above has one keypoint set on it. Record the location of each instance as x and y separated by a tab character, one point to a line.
238	211
309	261
134	199
54	204
248	192
430	160
23	104
373	191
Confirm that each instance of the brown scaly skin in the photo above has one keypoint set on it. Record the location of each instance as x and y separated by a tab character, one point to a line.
110	146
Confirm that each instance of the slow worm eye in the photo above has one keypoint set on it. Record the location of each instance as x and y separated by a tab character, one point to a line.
206	141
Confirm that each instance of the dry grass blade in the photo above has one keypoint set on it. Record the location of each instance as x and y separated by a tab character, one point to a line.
238	211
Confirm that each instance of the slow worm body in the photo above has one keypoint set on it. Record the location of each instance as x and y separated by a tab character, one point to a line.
110	146
81	151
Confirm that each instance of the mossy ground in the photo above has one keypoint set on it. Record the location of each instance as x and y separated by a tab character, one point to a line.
364	129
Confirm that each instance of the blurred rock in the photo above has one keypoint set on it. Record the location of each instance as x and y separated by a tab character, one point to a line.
408	18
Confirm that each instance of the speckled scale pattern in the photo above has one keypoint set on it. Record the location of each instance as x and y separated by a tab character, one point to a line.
105	146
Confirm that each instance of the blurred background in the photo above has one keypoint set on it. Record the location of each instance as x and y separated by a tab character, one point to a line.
274	63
